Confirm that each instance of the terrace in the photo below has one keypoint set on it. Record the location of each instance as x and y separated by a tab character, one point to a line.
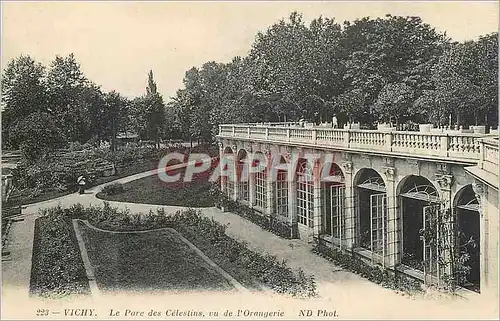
453	145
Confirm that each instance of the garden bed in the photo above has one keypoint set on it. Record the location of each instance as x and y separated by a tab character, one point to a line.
153	261
152	190
59	269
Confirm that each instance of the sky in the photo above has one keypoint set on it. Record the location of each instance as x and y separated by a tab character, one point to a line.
118	42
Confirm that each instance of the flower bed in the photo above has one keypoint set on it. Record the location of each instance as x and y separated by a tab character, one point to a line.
59	267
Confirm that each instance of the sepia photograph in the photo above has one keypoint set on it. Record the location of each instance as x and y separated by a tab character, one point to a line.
249	160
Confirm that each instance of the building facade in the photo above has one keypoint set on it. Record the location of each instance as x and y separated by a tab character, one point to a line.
405	201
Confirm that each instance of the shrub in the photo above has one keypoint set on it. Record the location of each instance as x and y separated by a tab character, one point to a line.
271	224
266	268
113	189
395	281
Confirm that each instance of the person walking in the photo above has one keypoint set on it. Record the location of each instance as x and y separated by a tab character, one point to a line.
81	184
334	121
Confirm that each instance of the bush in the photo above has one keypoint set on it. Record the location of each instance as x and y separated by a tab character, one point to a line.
271	224
266	268
395	281
113	189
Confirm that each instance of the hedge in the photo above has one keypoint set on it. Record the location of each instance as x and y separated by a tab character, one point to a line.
393	280
268	223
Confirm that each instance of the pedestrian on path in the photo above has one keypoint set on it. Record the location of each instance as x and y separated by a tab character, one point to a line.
81	184
334	121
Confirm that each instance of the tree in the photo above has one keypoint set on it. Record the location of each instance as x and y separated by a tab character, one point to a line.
393	102
114	116
37	135
313	108
23	92
465	82
377	52
351	105
148	113
67	98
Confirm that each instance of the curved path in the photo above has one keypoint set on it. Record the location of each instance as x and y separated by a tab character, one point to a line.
352	295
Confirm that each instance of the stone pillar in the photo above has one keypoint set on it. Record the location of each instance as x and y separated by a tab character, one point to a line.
292	197
480	191
251	184
445	182
392	237
235	173
222	160
223	179
270	181
270	199
317	201
350	210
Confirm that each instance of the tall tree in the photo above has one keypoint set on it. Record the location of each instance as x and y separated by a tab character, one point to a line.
390	50
148	113
393	103
465	82
66	86
23	92
114	116
36	135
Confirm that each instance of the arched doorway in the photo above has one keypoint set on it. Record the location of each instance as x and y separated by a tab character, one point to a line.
419	207
305	189
468	237
333	196
371	210
259	172
281	188
242	175
227	166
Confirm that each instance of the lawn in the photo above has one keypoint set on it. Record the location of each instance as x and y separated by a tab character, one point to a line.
152	261
152	190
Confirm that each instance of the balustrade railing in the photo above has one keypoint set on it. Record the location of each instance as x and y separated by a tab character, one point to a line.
455	145
489	155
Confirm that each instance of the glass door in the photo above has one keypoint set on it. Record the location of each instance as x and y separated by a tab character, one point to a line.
378	223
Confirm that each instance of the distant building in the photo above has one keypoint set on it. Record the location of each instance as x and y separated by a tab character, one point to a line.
127	137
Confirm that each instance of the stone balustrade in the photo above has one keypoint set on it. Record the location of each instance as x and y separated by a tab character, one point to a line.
489	155
461	146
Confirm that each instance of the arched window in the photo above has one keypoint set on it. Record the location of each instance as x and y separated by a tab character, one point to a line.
305	196
372	218
282	189
260	186
425	192
420	212
333	195
242	170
